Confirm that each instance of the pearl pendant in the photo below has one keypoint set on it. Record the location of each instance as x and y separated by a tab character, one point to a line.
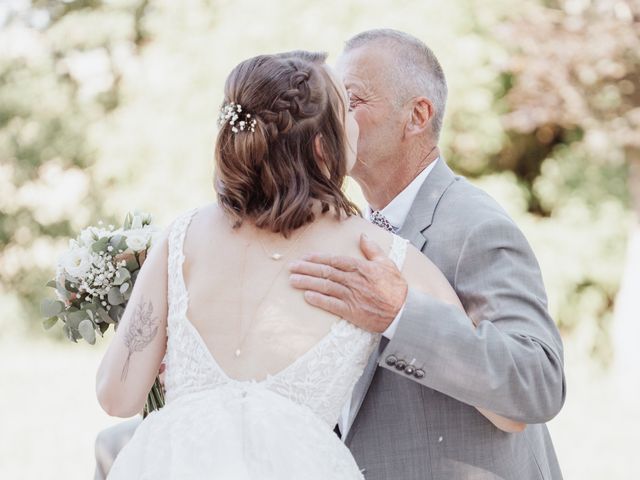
238	352
276	256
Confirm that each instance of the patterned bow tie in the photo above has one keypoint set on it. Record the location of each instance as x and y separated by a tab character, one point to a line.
379	219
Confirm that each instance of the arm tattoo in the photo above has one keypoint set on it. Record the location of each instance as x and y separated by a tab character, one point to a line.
142	329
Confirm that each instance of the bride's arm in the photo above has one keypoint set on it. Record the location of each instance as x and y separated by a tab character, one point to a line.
422	274
132	360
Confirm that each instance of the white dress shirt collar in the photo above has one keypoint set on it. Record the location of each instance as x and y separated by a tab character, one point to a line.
398	208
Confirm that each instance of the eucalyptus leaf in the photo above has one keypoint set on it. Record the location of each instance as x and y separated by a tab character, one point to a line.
49	322
114	296
51	308
123	244
119	243
68	332
116	312
104	317
114	241
76	335
95	306
100	245
52	283
87	330
74	318
89	306
103	327
121	276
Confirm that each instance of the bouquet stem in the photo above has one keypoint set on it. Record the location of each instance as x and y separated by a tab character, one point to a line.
155	399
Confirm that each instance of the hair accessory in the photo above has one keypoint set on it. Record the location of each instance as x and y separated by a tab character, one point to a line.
231	112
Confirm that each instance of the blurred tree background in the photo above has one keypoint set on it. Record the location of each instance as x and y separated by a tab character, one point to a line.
107	106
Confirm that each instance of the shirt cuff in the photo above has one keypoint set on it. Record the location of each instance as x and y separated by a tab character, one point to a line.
391	329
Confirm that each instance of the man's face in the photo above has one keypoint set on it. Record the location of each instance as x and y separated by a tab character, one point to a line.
365	72
350	124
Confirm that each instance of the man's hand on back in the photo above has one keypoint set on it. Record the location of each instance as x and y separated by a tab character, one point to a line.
368	293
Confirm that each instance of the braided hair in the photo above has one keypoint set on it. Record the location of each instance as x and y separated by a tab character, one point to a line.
273	173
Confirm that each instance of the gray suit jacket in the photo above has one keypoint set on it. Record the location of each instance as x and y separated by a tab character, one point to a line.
417	422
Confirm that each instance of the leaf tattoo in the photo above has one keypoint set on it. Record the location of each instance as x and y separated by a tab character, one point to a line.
142	329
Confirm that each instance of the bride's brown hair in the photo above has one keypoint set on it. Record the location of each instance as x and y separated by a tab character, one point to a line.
273	174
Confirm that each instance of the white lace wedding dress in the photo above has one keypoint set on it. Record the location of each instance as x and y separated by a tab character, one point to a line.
215	427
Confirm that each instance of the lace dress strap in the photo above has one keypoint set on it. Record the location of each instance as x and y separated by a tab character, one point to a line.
398	250
176	287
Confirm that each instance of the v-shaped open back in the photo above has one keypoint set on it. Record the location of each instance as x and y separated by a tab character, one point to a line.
321	378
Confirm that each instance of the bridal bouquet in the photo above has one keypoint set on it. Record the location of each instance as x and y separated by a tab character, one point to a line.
94	279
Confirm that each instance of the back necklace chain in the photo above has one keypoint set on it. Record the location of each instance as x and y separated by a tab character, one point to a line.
276	256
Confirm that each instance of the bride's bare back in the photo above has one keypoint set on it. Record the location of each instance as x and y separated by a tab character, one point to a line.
241	300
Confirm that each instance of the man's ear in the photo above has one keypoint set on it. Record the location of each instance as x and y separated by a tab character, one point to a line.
421	117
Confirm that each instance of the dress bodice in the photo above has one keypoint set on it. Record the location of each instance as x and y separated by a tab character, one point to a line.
321	379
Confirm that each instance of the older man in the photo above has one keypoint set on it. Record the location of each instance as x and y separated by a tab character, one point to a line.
413	413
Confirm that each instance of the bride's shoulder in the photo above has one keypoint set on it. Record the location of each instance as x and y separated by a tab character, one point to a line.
200	213
210	211
194	218
351	228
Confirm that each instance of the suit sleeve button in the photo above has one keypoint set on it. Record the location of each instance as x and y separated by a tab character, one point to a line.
409	370
419	373
391	360
400	365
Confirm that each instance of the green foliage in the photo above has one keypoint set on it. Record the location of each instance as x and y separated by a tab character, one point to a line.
107	106
49	322
122	275
87	329
47	187
51	308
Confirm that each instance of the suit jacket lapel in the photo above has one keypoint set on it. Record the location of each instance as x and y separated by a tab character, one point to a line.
418	220
422	210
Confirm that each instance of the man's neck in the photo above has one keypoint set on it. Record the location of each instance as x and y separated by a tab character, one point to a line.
380	188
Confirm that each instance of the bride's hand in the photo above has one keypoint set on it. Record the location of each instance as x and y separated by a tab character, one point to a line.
367	292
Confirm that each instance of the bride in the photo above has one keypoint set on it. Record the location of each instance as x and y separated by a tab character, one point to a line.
255	377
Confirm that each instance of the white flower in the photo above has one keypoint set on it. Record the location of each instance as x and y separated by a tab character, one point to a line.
153	233
136	223
76	261
140	219
86	237
90	234
137	239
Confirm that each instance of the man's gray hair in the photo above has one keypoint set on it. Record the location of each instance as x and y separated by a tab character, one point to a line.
419	72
